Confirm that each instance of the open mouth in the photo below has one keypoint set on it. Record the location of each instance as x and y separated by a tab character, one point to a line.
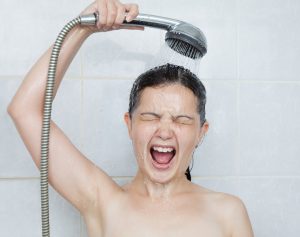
162	156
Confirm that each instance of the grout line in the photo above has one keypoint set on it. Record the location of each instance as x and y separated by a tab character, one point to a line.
101	78
19	178
193	177
238	158
227	176
210	80
238	112
247	177
81	132
15	77
269	81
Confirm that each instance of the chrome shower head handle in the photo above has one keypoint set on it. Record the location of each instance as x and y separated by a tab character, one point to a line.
182	37
141	20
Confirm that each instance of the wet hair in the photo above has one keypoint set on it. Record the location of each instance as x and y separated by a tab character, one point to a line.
166	75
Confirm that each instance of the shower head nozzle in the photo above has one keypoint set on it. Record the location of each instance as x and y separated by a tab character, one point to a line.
187	40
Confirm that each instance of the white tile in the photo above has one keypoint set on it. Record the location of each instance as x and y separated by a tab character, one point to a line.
269	40
270	129
273	205
217	155
220	184
120	53
150	7
21	209
123	53
35	27
105	139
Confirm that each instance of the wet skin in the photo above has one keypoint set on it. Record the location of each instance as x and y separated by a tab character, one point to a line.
162	202
166	117
159	201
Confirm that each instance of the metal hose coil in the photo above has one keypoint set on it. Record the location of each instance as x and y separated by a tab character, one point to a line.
46	125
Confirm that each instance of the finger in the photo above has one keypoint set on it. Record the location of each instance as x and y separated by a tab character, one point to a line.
133	11
111	14
102	9
132	27
120	15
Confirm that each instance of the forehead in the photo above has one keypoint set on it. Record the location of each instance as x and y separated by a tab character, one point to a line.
174	98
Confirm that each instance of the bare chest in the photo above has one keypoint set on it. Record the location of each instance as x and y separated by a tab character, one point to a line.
160	227
158	221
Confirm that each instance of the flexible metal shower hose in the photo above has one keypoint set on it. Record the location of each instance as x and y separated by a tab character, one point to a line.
46	125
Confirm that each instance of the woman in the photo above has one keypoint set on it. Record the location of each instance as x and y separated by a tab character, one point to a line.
166	122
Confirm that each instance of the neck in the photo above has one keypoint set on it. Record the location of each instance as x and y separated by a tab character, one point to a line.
145	186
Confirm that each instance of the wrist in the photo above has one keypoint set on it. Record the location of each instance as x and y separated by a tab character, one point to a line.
83	32
78	34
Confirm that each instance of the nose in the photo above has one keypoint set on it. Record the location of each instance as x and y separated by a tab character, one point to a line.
165	130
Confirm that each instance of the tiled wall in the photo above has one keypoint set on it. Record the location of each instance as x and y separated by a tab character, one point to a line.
251	73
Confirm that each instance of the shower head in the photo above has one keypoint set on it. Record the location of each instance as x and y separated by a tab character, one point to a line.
187	40
182	37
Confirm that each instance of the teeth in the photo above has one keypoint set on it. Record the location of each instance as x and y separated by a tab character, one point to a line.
162	149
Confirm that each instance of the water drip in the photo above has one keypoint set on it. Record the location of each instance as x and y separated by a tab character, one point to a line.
175	56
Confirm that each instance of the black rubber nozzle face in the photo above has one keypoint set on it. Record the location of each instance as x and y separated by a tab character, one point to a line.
184	48
187	40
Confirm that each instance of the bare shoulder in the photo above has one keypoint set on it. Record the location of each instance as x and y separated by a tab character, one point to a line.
230	209
230	205
227	203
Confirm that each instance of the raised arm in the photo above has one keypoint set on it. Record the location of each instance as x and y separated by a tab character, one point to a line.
70	173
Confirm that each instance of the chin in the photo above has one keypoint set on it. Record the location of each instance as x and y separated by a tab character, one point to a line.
161	179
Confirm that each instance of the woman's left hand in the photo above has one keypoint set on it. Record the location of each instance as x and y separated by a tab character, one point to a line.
112	14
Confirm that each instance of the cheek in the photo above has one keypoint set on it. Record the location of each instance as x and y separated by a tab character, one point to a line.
187	145
141	136
143	130
187	139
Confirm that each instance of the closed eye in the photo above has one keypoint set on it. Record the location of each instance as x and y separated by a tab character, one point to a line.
185	120
149	116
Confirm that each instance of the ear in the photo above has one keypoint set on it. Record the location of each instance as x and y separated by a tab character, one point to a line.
127	120
203	130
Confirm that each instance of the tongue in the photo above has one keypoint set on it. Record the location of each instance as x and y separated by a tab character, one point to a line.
162	157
